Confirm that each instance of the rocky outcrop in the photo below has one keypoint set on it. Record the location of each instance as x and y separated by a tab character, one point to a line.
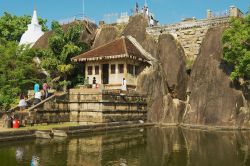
172	60
136	28
87	34
165	86
213	99
105	35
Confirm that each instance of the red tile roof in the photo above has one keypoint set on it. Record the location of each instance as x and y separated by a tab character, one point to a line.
119	48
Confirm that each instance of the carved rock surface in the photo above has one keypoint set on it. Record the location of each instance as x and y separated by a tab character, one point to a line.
213	98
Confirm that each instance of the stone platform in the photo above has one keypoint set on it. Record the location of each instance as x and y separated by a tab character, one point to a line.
88	106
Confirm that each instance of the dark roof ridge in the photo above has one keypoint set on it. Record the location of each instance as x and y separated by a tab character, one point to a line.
124	45
97	47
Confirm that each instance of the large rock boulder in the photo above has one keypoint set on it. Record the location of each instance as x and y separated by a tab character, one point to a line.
165	82
213	99
172	59
87	34
137	28
162	108
151	83
105	35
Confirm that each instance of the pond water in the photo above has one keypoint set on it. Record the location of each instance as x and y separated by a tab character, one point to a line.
152	146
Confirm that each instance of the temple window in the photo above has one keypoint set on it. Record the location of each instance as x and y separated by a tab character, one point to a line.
121	68
96	70
130	69
90	68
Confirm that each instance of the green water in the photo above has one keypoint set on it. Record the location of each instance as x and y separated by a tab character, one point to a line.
146	147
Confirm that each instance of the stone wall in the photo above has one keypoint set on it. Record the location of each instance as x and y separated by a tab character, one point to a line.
87	106
189	33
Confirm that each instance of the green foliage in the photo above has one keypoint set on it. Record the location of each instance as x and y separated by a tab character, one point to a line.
236	47
56	43
17	72
12	27
55	25
64	44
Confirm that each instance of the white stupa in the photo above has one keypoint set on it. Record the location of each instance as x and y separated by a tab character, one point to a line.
33	33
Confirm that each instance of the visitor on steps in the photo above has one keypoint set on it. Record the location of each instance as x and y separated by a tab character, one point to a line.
45	90
22	103
94	83
36	87
124	85
38	96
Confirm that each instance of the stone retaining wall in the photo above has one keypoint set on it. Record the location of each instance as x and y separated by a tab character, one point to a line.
16	135
190	34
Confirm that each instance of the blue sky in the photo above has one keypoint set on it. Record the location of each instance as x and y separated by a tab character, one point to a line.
166	11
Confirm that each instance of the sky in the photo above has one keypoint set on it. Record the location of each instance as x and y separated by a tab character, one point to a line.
166	11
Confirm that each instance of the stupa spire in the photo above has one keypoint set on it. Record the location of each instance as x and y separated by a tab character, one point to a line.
34	31
34	17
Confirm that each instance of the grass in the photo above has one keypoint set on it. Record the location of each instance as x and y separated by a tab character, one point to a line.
50	126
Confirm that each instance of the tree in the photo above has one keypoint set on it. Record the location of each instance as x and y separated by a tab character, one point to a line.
12	27
236	47
63	45
17	72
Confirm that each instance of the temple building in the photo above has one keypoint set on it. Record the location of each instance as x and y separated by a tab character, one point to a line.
110	63
33	33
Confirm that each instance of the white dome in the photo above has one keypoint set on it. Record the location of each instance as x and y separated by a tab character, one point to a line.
33	33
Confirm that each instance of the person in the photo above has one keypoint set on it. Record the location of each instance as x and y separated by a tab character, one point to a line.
45	89
36	87
151	21
94	83
147	12
22	103
34	161
38	96
124	84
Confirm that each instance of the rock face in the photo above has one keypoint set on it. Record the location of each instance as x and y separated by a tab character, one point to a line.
137	28
213	98
87	35
165	83
172	59
105	35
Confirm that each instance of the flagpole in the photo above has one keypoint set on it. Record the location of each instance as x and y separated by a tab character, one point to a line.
83	9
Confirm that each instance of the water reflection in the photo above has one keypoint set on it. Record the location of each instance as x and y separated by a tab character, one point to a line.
152	146
19	154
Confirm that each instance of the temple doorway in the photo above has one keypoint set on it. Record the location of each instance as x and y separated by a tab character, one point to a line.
105	73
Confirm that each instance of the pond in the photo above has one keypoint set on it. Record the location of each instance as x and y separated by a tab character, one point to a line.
170	146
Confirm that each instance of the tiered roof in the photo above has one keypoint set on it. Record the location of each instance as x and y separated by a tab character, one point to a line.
117	49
